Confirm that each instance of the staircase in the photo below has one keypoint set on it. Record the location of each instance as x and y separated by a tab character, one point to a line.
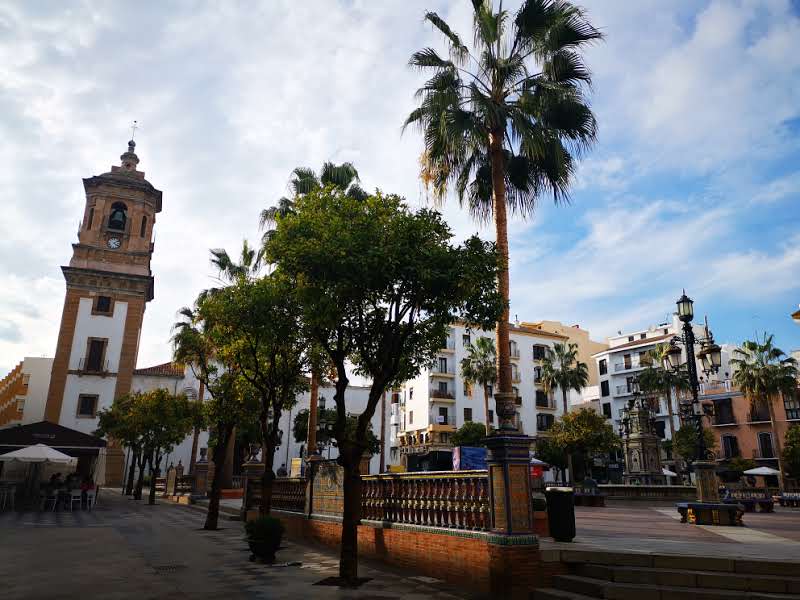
636	576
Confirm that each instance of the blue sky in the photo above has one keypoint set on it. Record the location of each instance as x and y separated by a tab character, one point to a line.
694	182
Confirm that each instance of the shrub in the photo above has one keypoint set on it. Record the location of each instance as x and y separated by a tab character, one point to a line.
264	528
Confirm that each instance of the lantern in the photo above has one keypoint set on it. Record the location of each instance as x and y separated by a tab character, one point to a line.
685	308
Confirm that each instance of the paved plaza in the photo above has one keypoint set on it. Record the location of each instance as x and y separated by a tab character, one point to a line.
126	549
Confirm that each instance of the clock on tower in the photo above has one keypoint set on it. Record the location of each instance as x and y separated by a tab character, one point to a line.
108	284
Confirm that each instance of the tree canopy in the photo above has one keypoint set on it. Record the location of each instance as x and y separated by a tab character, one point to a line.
791	452
470	433
561	368
685	441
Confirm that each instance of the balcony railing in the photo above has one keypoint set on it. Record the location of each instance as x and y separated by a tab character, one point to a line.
442	420
93	366
758	416
515	377
443	395
514	352
724	420
628	366
437	370
454	500
449	345
764	453
623	390
544	402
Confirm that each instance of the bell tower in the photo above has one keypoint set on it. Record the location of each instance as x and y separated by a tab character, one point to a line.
109	283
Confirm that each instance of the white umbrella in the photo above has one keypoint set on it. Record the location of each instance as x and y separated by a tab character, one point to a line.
536	461
762	471
667	472
39	453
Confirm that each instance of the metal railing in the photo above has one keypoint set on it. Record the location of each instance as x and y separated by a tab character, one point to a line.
628	366
769	454
724	420
449	345
95	366
758	416
437	370
623	389
440	394
454	500
287	494
514	352
442	420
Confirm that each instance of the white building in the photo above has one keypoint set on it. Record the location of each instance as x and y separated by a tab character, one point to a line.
428	409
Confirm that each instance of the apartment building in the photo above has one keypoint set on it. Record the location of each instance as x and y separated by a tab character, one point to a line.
427	410
23	392
575	335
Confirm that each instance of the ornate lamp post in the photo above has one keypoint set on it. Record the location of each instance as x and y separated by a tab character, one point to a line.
710	357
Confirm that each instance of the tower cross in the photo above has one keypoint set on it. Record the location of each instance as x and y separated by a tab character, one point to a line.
134	127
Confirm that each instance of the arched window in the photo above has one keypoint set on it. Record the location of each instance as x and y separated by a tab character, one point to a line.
144	227
118	216
90	219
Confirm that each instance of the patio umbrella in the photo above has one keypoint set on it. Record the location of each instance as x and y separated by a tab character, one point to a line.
667	472
762	471
39	453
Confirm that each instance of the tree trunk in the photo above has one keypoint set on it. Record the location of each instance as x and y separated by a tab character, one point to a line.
671	415
196	434
569	467
268	454
382	463
220	453
137	494
486	410
777	439
311	436
566	404
154	469
351	515
501	232
131	473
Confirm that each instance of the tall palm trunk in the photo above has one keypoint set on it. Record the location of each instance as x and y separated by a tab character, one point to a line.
311	439
777	439
670	413
501	232
569	454
566	404
486	410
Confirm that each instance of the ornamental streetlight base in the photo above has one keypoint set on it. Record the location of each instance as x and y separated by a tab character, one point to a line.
706	482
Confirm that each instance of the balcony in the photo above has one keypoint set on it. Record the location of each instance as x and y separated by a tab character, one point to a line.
624	390
449	420
764	454
442	395
437	371
92	366
545	402
628	366
449	346
514	353
758	416
515	377
720	420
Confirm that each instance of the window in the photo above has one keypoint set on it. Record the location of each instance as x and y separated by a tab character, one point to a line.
467	390
730	446
660	432
544	421
643	358
542	400
442	387
410	417
118	216
442	418
765	448
629	383
604	388
87	406
607	410
395	397
626	359
603	366
512	349
143	228
642	336
630	338
491	416
21	405
538	352
723	412
666	331
103	305
95	355
465	340
515	389
537	374
442	365
490	390
321	403
467	415
792	407
90	220
411	394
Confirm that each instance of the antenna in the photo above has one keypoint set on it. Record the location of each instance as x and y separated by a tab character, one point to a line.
134	127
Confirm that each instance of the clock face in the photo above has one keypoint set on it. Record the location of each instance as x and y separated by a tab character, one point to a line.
113	242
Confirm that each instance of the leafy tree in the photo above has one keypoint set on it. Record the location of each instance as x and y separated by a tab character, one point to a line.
739	465
561	368
470	434
380	286
502	122
300	427
685	441
764	374
116	422
791	452
195	343
655	379
257	325
479	367
554	455
584	432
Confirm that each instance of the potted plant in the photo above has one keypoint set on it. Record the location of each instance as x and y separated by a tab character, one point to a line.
264	538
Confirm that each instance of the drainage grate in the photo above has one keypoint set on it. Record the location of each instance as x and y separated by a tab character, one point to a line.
162	569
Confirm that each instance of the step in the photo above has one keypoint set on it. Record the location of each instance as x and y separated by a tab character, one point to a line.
694	579
554	594
601	588
785	568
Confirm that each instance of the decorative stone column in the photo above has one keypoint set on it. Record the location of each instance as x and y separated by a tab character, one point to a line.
706	482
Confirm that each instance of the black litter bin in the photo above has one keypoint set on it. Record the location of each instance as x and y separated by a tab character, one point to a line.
561	513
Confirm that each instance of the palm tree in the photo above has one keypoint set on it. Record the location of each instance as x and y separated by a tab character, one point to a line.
763	372
305	180
561	368
656	379
480	367
503	122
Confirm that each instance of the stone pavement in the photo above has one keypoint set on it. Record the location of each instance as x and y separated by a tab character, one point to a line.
126	549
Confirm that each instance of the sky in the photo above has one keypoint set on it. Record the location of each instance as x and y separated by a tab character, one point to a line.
693	183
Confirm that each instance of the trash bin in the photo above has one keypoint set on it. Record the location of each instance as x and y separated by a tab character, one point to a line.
561	513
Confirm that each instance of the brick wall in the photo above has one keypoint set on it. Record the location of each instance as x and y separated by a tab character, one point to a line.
470	562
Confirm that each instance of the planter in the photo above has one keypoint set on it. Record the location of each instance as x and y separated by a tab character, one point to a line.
263	550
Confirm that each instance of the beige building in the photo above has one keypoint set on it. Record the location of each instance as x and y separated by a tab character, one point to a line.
575	335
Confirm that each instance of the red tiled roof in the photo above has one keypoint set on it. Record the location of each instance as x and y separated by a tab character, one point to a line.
169	369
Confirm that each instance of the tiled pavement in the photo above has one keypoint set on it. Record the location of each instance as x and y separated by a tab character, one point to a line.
126	549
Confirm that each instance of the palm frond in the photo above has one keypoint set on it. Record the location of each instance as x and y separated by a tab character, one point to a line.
303	181
428	58
459	53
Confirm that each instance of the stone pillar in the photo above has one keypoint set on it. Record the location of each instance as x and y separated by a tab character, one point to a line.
706	482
